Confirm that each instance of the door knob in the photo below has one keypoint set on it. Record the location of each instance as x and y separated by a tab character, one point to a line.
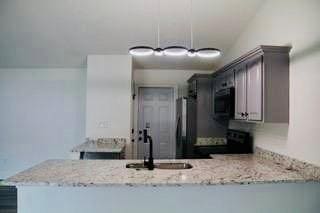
140	138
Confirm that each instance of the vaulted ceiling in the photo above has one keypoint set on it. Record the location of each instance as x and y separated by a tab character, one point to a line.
61	33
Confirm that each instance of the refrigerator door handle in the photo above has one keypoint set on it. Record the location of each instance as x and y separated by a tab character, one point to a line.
177	130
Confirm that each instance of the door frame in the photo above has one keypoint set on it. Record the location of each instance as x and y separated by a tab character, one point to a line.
136	115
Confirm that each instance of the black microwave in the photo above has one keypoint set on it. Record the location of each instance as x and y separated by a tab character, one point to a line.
224	101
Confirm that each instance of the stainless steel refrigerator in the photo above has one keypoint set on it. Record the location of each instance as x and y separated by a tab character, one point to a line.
186	127
181	127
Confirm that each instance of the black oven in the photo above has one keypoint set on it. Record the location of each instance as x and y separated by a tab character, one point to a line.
224	103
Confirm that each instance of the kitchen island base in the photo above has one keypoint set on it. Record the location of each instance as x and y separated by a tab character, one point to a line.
252	198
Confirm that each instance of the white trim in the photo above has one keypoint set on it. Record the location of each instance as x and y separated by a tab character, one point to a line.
135	115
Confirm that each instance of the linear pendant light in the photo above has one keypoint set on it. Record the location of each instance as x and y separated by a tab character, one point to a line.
175	50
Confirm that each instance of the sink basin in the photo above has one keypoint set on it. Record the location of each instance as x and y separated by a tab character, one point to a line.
136	166
171	166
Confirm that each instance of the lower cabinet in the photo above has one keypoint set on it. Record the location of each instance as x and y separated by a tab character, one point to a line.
8	199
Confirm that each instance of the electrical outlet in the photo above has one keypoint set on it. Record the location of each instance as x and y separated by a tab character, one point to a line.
103	124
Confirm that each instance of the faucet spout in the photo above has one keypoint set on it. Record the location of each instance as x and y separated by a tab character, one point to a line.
147	138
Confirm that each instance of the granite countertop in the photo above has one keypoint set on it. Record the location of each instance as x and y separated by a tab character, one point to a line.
109	145
220	170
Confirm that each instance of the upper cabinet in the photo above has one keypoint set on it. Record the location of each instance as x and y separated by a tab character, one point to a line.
254	90
261	82
240	92
225	80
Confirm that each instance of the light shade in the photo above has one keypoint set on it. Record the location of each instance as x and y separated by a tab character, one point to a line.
141	51
175	51
208	52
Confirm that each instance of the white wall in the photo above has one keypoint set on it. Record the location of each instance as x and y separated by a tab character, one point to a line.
295	23
108	96
42	116
166	77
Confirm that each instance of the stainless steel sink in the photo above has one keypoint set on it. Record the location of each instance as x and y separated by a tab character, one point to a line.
173	166
136	166
169	166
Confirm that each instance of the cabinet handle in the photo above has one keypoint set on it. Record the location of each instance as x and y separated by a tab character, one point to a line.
246	114
242	114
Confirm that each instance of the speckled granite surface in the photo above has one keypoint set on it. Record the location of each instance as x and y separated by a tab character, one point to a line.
210	141
220	170
307	169
110	145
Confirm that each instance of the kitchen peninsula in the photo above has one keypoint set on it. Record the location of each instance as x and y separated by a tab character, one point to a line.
111	187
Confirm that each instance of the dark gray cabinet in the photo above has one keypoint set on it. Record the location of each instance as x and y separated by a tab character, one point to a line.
8	199
248	91
254	90
261	81
199	113
225	80
240	92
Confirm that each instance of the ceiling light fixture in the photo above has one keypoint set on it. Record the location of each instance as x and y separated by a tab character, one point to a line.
175	50
208	52
141	51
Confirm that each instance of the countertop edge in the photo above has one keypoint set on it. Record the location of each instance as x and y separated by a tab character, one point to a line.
231	183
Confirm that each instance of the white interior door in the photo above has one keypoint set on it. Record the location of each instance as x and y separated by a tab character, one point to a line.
156	114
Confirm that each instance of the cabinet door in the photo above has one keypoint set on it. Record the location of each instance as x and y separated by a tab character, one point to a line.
230	78
254	90
240	93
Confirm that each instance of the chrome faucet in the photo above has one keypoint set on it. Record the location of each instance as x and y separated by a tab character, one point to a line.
147	138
